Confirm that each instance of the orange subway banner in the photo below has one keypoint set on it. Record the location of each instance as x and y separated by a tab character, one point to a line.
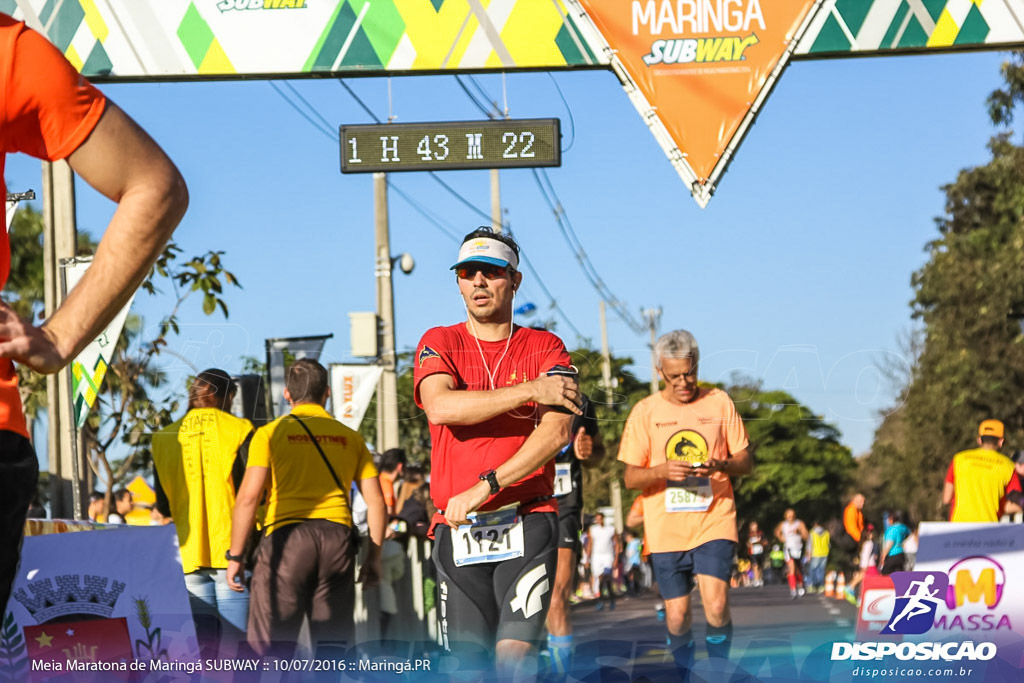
701	66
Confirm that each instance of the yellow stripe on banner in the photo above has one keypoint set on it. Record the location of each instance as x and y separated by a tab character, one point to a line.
94	20
945	31
459	51
72	56
216	61
529	34
432	33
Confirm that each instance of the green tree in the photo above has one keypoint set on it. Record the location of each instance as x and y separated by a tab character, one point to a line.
969	301
626	390
413	428
799	461
128	416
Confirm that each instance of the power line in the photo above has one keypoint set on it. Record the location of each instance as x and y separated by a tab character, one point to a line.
327	124
568	109
562	220
423	211
358	100
326	131
486	110
565	227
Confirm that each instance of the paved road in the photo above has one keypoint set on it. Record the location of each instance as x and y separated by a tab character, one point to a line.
772	639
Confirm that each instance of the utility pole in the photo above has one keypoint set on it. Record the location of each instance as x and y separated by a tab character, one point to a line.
496	222
606	359
59	242
387	388
653	316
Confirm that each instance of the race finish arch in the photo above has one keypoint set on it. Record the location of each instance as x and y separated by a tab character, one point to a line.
698	71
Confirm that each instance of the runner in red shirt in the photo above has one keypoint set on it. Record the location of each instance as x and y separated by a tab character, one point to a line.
52	113
497	418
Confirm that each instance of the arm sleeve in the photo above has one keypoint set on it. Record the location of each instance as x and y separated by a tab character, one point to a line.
588	420
49	108
635	446
950	473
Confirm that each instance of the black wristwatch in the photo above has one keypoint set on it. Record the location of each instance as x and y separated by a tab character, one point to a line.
232	558
491	477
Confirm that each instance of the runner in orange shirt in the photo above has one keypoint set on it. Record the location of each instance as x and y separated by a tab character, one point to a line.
680	447
50	112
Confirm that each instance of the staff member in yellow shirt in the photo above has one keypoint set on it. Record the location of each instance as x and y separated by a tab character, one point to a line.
200	461
979	481
305	565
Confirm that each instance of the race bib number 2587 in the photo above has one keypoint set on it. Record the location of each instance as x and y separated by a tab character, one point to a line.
694	495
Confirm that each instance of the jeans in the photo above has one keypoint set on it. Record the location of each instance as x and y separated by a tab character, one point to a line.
220	613
816	571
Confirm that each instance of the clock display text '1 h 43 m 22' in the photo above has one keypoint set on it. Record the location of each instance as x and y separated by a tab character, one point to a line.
450	145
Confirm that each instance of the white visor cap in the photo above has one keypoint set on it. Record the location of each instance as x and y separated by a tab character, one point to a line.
487	250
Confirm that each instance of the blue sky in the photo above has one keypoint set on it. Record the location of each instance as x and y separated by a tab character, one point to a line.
797	274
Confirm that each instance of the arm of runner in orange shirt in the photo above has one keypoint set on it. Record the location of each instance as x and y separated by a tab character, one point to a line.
851	524
637	477
121	162
550	435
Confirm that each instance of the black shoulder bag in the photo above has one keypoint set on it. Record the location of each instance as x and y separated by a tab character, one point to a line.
344	494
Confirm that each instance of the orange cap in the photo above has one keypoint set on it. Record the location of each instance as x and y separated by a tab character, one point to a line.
991	428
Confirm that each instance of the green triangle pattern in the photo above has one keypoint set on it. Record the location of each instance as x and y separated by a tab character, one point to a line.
934	8
831	38
894	27
334	38
570	51
853	13
8	6
98	63
975	28
384	27
44	14
65	24
361	54
437	4
914	36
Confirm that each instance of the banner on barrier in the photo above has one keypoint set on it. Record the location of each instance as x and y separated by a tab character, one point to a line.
99	600
963	588
352	389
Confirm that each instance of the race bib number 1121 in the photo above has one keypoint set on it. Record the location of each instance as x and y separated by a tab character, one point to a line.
492	537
